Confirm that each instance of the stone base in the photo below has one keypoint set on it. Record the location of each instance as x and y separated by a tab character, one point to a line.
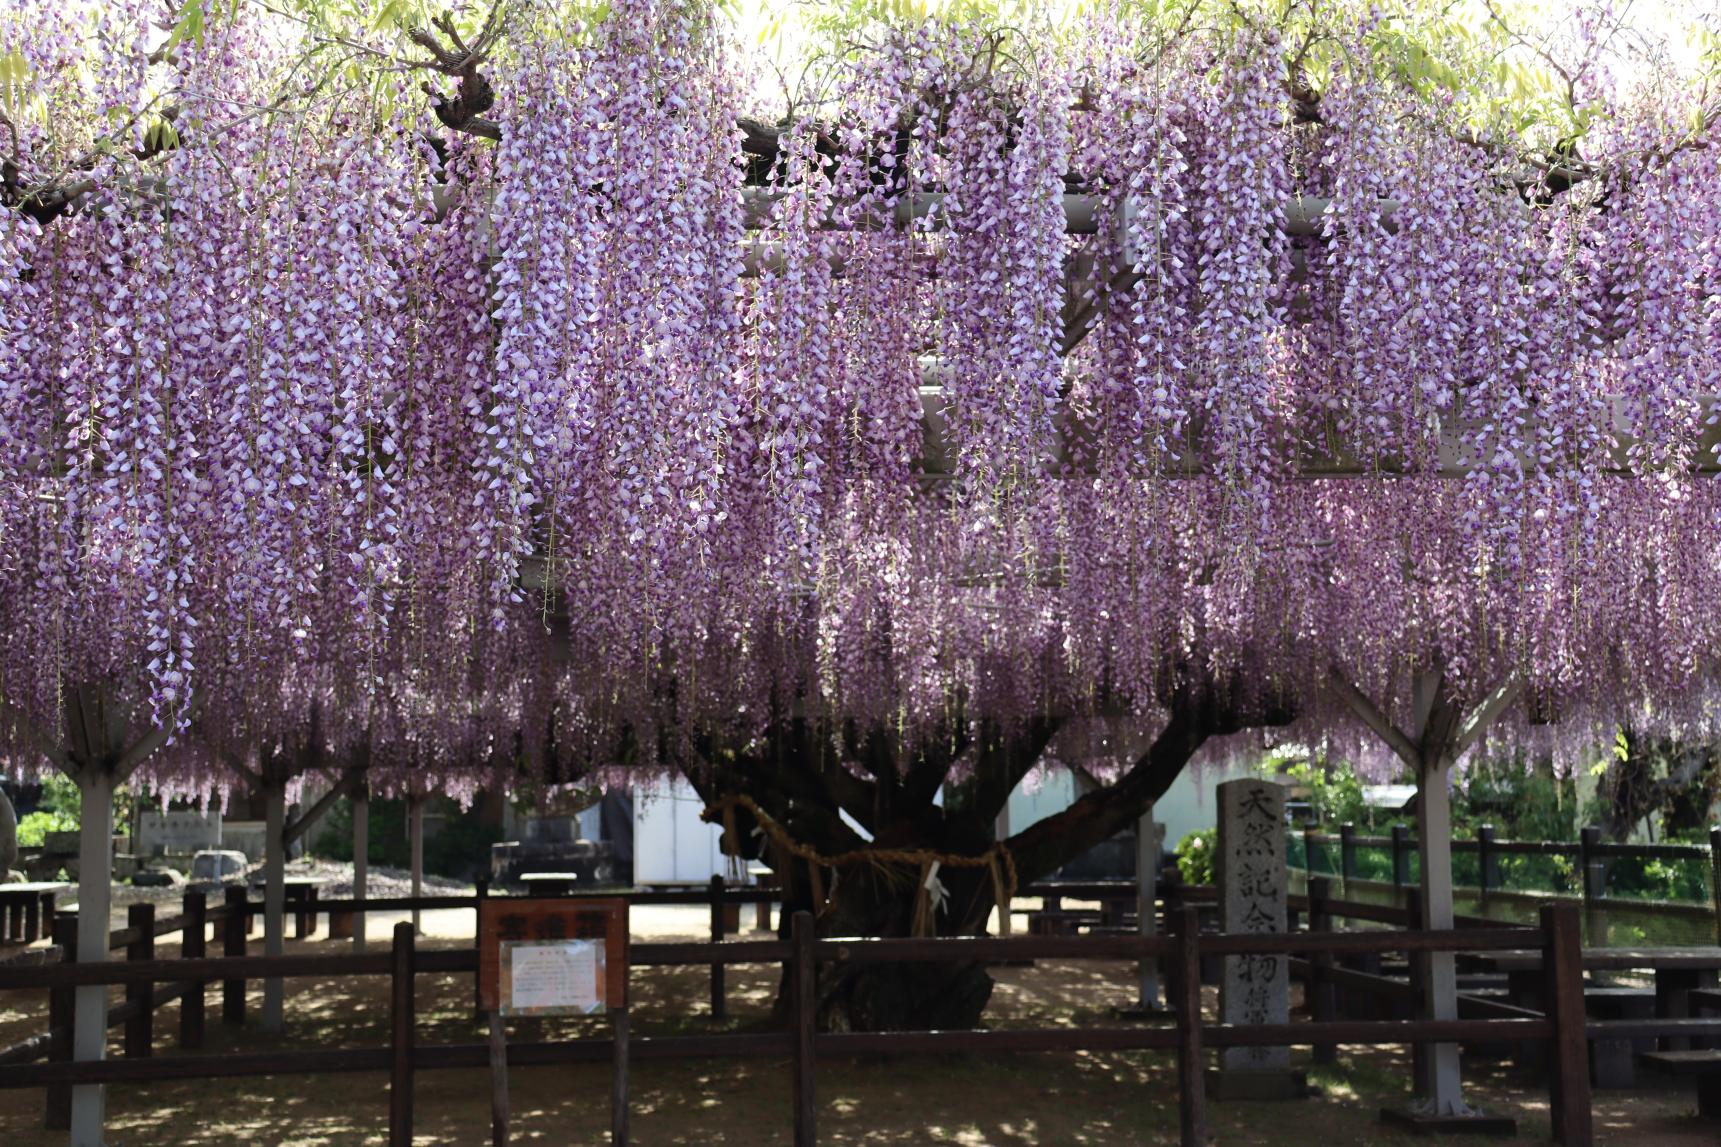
1416	1123
1256	1086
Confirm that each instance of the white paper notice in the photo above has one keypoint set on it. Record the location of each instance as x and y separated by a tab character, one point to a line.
554	977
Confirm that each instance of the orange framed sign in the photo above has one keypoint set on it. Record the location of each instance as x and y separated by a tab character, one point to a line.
552	957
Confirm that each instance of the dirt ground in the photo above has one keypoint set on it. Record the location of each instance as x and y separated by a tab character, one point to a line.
1096	1099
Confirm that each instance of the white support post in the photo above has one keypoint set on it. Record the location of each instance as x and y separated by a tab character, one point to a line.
361	860
95	899
1436	740
1442	1084
415	835
1147	860
274	898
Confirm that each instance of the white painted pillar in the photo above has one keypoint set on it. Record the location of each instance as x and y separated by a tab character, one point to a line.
1147	862
274	899
95	900
1442	1087
1001	831
361	859
415	836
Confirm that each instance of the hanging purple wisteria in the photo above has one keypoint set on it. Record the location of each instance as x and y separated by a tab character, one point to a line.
585	410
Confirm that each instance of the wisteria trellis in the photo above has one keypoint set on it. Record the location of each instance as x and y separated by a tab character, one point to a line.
325	406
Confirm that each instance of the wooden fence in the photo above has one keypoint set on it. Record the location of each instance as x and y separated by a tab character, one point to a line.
1589	853
1563	1028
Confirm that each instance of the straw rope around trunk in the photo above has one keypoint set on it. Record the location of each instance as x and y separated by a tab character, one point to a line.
925	862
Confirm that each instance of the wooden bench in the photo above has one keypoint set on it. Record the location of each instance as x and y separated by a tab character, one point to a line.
1703	1066
1612	1062
27	911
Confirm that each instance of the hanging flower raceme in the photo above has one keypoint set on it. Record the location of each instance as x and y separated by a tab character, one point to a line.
999	165
618	223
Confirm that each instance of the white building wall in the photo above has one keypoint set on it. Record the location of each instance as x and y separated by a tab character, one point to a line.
671	845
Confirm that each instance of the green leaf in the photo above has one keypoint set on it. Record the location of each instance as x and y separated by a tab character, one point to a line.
187	24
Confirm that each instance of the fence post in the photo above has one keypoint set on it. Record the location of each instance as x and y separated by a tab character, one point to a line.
804	974
719	1006
621	1032
1414	974
403	1030
1309	847
61	1003
1321	997
1347	854
233	927
1400	855
482	886
1487	863
1594	877
1191	1076
1569	1069
191	947
1171	890
140	1027
1715	876
1593	872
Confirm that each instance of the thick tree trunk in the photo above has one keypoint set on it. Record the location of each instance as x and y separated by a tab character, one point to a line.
919	996
804	788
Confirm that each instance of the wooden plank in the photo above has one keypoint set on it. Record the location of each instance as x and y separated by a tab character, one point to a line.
466	1056
402	1031
1569	1068
1610	959
440	1057
233	927
978	948
621	1054
61	1003
498	1081
1434	940
140	1028
1377	1032
1657	1027
162	1068
719	1002
730	952
161	971
193	935
1683	1062
1320	992
1139	1037
1191	1065
803	972
618	1077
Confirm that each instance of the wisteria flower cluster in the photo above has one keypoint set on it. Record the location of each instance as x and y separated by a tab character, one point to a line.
1018	373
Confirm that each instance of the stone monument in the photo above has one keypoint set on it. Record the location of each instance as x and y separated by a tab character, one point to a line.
178	833
1255	989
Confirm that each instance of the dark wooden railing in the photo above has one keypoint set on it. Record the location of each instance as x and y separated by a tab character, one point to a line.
1563	1028
1590	855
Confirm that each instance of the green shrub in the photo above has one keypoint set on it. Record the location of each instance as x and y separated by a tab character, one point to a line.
34	828
1195	856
